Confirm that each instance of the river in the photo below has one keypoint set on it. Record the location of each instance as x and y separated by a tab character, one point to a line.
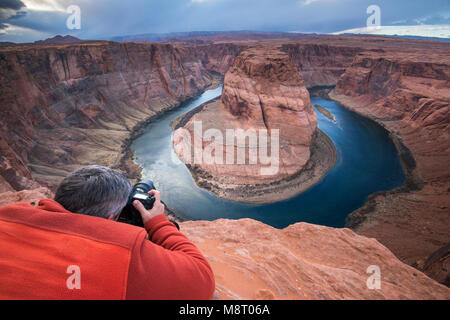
367	162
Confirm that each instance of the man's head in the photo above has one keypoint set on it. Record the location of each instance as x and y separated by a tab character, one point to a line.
95	191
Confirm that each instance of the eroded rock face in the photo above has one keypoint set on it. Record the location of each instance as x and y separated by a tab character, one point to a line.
408	92
218	57
321	64
264	89
251	260
263	93
63	106
30	196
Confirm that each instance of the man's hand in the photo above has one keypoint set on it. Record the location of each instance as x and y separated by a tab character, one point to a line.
158	207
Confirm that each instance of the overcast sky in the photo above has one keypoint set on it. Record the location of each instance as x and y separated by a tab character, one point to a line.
30	20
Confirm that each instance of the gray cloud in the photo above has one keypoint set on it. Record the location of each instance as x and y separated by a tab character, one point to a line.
11	4
9	9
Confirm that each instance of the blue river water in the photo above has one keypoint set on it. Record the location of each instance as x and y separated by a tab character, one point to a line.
367	162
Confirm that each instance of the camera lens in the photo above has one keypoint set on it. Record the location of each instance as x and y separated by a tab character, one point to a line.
144	186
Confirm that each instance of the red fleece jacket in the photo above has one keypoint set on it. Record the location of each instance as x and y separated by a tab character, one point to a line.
47	252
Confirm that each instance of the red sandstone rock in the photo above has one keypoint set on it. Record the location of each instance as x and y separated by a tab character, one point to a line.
30	196
63	106
218	57
251	260
320	64
262	91
408	92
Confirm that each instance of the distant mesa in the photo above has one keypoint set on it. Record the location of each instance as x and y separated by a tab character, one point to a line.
59	40
209	36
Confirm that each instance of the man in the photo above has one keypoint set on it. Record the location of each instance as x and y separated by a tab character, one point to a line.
71	247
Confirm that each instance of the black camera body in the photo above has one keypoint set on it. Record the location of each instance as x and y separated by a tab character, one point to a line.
139	192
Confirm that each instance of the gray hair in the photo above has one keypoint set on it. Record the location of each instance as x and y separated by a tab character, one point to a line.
95	191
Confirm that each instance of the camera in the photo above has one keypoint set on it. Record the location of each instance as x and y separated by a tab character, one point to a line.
139	192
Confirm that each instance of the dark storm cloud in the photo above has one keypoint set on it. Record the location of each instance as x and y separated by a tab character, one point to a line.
52	22
11	4
8	9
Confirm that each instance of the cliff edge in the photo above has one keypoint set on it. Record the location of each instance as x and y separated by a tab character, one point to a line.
252	260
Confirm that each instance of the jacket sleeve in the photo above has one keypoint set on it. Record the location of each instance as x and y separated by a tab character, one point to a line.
169	266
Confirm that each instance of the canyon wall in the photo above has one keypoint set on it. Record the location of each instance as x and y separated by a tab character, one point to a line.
403	85
217	57
320	64
408	92
63	106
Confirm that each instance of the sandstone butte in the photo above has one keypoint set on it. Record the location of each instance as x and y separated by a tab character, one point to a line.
263	92
64	106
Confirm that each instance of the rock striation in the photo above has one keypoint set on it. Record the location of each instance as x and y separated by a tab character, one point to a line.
217	57
321	64
264	90
63	106
408	93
